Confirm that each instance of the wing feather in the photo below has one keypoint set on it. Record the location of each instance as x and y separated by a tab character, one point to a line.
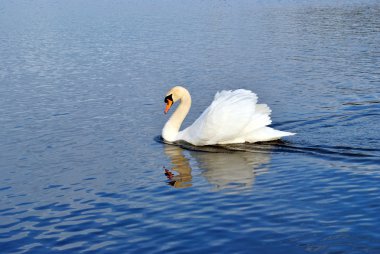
232	117
224	119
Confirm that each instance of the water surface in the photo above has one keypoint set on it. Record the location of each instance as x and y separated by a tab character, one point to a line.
82	85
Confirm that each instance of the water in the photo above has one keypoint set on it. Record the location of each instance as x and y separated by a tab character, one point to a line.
82	85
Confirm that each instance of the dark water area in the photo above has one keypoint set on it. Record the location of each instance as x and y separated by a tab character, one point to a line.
83	168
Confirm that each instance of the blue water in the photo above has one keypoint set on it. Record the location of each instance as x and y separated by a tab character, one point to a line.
82	164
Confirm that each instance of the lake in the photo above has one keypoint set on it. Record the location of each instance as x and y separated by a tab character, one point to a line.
82	87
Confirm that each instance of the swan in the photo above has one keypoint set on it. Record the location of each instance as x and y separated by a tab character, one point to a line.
233	117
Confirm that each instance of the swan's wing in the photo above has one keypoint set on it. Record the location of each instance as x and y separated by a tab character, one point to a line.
233	117
225	120
263	109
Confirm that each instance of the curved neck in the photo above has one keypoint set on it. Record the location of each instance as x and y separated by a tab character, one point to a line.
172	126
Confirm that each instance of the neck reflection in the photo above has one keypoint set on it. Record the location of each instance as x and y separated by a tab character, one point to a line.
181	165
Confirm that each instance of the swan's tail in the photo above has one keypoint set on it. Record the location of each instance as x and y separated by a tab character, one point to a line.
268	134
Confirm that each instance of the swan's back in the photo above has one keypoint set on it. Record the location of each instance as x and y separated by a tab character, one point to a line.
233	117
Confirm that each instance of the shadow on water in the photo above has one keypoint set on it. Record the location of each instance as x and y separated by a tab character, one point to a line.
351	154
263	147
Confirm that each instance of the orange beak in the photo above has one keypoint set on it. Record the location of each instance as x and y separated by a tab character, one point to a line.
168	106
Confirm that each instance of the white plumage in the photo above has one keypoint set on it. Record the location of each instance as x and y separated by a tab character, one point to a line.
233	117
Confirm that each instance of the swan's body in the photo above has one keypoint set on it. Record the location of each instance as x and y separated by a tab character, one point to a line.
233	117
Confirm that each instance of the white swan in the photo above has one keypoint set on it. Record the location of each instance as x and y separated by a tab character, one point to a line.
233	117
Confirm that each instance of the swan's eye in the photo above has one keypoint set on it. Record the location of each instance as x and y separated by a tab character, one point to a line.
169	97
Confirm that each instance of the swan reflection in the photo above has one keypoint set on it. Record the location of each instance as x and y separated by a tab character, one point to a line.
222	170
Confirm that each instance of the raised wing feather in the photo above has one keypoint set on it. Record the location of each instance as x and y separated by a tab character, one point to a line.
225	120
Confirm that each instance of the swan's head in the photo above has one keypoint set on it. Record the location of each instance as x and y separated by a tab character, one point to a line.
175	94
